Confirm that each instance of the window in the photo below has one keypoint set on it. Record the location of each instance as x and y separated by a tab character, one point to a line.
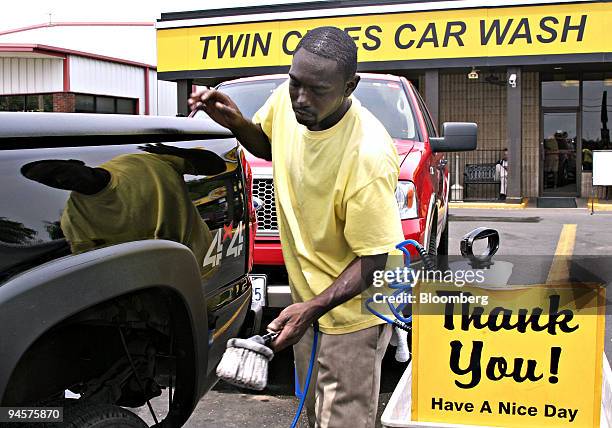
388	102
385	99
126	106
12	103
99	104
560	90
105	105
431	129
36	102
85	104
250	96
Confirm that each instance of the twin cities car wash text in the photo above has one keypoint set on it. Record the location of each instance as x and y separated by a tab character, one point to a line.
492	32
550	321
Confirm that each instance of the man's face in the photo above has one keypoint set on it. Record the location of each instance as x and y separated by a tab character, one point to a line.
317	88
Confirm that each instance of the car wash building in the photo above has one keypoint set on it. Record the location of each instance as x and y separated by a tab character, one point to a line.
534	75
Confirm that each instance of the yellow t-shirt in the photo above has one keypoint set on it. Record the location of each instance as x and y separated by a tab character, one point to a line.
146	198
335	200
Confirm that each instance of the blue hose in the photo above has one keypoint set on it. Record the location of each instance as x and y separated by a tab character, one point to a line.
400	321
302	394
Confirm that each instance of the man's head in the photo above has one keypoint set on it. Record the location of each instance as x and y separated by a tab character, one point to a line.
70	174
322	76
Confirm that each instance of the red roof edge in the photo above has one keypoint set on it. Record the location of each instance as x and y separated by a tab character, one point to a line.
55	51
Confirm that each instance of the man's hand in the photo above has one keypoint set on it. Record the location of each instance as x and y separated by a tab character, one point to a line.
294	320
226	113
219	107
200	161
292	323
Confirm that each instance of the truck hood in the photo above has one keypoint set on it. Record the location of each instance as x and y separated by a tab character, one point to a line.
411	161
258	165
404	147
264	167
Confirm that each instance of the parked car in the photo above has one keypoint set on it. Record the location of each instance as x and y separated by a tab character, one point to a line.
125	247
422	190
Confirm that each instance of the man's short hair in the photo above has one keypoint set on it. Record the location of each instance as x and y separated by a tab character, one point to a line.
332	43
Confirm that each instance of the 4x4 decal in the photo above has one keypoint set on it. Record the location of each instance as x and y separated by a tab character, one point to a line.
214	254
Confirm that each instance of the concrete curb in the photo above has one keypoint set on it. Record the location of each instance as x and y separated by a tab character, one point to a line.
598	206
526	203
491	205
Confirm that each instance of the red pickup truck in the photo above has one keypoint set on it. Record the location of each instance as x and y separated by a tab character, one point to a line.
422	190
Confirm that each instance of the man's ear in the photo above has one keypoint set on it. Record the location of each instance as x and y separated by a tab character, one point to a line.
351	85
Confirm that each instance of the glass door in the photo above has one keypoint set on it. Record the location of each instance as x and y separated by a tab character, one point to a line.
558	153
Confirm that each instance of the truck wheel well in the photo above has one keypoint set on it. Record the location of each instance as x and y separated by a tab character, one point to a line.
85	353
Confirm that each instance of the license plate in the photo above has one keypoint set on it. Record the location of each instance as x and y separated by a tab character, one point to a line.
259	290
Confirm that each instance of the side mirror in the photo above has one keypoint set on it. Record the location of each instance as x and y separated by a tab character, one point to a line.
458	137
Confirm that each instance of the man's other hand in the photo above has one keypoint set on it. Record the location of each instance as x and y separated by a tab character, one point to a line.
219	107
292	324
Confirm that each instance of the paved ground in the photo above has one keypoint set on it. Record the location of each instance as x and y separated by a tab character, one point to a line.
228	407
532	234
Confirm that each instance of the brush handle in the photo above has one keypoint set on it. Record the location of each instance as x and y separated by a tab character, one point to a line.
267	338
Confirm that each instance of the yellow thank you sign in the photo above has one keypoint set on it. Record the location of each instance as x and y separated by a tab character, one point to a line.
529	357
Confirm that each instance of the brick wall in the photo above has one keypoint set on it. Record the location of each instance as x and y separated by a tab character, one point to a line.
465	100
478	101
588	191
482	102
530	152
63	102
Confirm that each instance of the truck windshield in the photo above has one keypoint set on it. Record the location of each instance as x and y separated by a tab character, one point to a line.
385	99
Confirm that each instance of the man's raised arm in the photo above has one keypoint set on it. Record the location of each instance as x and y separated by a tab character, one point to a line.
226	113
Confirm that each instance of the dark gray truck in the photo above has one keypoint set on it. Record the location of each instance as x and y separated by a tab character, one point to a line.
125	247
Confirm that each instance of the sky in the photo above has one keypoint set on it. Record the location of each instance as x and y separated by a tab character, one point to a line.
21	13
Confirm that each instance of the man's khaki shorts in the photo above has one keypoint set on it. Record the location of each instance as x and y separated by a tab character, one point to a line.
346	378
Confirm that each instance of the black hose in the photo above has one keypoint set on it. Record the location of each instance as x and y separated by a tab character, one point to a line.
428	263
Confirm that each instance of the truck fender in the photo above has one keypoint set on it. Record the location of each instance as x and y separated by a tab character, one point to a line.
38	299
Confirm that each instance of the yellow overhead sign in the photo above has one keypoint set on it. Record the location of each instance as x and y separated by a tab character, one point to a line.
495	32
526	358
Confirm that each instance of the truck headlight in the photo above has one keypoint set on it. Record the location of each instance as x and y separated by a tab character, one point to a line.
405	194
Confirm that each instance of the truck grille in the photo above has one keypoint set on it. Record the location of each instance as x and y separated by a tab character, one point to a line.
263	188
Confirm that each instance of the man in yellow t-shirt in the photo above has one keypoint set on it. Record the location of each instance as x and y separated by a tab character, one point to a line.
131	197
335	173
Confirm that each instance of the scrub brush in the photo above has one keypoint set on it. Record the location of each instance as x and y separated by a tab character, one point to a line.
245	362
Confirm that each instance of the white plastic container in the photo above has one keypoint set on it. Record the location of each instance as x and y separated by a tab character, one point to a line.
397	414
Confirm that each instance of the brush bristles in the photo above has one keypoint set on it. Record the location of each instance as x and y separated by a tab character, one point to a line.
244	368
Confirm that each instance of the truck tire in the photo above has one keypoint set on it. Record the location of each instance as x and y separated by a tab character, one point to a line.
101	416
